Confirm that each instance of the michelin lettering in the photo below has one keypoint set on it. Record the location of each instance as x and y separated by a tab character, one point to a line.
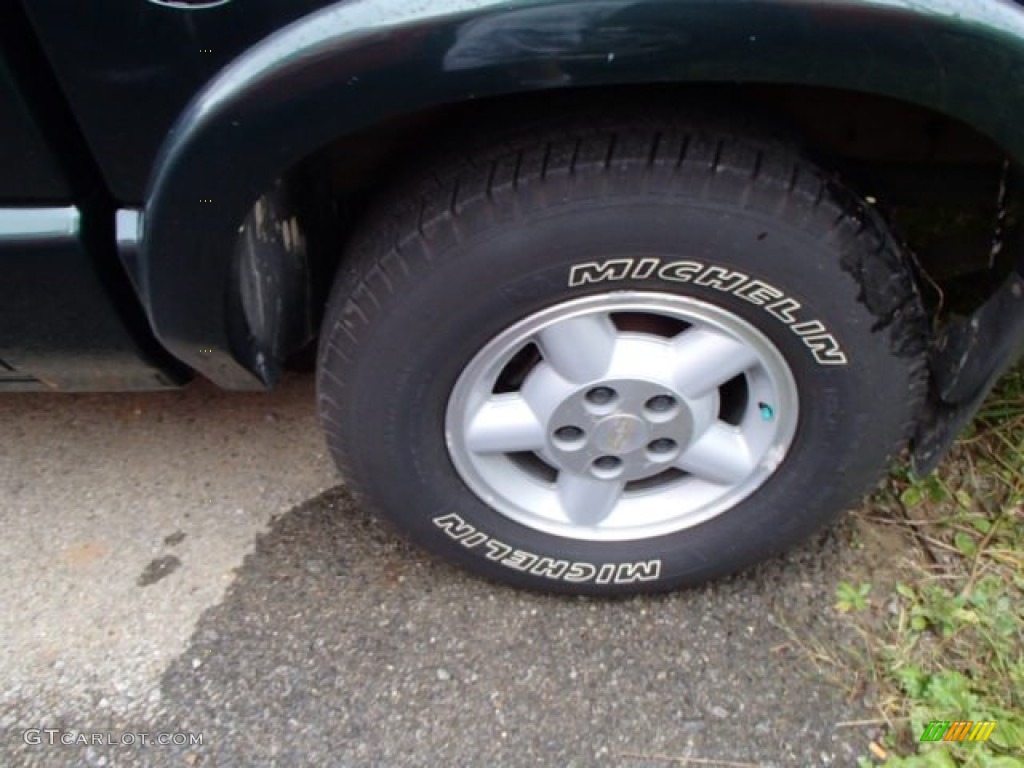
527	562
813	333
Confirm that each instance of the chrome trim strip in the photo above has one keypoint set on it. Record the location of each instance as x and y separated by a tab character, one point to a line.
128	234
128	228
26	225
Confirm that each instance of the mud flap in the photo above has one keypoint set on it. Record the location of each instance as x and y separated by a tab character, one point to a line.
966	362
273	278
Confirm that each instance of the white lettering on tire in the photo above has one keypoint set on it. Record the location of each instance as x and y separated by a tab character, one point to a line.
813	333
470	537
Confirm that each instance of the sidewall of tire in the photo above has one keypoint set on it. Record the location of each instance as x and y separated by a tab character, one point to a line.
459	298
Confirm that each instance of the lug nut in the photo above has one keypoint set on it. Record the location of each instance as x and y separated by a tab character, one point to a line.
601	395
662	445
661	403
607	463
568	434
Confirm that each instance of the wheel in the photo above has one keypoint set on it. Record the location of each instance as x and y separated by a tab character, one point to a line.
619	358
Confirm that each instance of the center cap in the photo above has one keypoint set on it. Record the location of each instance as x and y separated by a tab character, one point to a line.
620	434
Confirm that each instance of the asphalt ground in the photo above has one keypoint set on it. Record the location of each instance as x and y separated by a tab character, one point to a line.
190	564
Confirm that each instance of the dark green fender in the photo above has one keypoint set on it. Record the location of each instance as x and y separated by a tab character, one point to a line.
350	65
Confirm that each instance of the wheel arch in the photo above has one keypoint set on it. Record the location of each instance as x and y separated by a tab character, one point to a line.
353	65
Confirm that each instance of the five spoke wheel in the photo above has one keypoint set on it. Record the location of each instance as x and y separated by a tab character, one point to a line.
622	416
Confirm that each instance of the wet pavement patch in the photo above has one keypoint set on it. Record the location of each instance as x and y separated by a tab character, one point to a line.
338	644
174	539
157	569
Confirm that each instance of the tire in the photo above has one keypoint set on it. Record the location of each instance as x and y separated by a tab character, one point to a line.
619	358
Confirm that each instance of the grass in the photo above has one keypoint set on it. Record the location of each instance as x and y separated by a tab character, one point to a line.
939	627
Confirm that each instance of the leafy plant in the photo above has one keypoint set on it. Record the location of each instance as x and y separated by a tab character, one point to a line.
949	644
850	597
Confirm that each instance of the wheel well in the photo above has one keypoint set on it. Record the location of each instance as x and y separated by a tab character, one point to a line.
946	189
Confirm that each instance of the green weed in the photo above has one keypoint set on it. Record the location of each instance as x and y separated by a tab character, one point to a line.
948	643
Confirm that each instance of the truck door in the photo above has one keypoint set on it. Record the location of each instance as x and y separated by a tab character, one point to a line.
68	319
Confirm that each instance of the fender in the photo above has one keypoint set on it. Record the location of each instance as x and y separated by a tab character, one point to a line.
352	64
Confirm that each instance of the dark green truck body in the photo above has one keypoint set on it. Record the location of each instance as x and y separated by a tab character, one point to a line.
136	136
